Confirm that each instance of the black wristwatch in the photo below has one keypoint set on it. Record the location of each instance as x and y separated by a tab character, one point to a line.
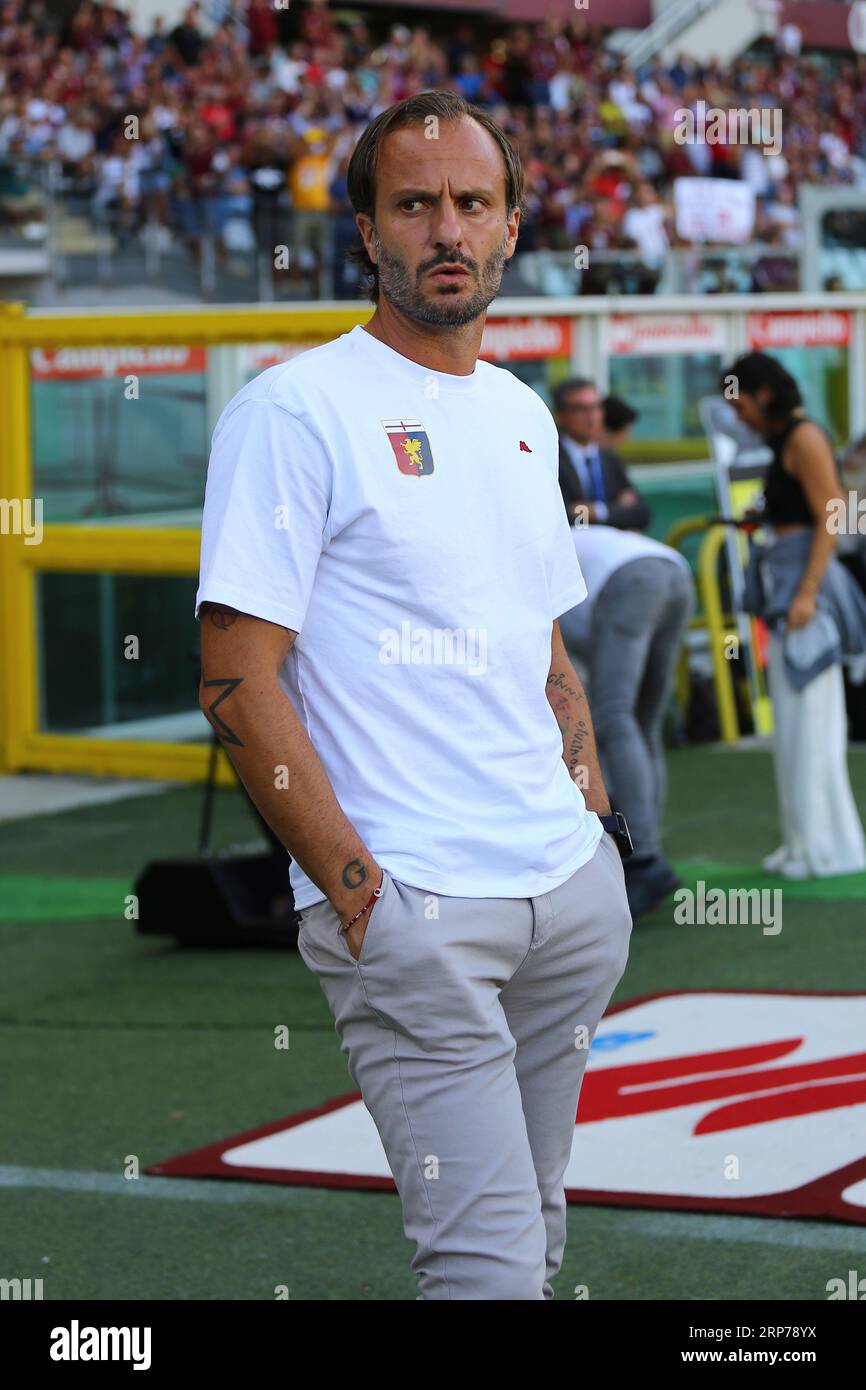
615	825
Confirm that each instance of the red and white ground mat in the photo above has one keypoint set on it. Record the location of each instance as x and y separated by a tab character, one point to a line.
705	1101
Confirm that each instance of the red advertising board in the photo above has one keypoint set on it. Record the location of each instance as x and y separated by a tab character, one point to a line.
526	339
802	328
90	363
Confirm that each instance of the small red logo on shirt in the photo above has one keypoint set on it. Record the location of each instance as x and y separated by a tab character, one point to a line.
525	447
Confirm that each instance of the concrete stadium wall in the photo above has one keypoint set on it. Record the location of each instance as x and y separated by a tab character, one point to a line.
723	31
143	13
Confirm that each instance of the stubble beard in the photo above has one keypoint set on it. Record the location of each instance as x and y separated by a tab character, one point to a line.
402	290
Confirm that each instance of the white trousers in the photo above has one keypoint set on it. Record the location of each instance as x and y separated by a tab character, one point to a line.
820	824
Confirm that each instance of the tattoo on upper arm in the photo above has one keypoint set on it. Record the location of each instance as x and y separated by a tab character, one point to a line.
221	617
227	686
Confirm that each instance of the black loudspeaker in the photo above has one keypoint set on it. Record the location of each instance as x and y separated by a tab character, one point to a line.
213	899
218	901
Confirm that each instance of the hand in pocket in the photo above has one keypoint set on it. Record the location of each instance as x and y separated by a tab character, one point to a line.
354	935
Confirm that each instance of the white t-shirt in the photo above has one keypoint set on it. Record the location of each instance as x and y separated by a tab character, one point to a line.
602	550
408	525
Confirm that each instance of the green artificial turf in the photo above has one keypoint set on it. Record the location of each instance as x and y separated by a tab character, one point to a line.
120	1047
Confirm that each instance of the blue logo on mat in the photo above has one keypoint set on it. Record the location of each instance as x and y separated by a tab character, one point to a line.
611	1041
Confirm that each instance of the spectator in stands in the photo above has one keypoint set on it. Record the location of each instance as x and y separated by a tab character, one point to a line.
267	160
262	25
117	190
593	480
155	173
187	36
157	40
10	123
783	217
622	89
76	145
312	225
217	113
345	277
469	80
646	222
196	182
593	134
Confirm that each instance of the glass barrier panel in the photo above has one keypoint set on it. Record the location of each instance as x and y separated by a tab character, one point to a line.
822	376
118	657
665	391
119	431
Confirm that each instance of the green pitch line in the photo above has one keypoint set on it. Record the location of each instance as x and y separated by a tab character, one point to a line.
840	888
28	898
159	1189
32	898
706	1226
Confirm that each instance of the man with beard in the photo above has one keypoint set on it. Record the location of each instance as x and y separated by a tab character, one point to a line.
384	557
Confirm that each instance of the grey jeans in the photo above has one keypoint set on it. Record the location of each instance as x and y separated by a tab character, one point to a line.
638	621
466	1023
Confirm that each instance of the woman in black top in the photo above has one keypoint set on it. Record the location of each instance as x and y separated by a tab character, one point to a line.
821	827
802	479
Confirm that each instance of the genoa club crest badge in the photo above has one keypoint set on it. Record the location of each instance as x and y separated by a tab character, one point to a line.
408	439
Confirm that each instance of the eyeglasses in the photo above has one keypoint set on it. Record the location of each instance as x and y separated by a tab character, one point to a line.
580	405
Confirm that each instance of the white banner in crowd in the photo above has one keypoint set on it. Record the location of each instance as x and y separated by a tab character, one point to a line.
714	210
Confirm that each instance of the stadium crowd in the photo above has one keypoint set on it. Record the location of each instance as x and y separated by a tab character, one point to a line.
235	125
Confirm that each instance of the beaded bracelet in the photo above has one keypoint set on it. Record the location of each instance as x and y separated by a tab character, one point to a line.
377	893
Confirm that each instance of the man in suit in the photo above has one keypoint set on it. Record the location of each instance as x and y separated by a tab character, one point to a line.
594	483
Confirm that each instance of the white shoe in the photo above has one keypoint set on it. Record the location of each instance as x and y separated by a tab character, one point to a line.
795	868
773	862
838	870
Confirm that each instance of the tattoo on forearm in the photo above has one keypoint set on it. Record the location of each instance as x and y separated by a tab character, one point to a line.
562	709
575	748
559	681
560	693
227	686
354	874
574	730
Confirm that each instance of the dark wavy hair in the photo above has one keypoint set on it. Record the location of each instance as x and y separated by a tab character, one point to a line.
756	369
618	413
361	173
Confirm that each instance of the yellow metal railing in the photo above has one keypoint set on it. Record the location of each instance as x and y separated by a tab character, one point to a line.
721	627
103	548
